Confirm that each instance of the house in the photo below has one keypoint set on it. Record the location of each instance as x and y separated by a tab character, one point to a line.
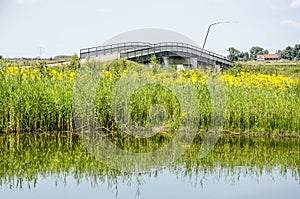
267	57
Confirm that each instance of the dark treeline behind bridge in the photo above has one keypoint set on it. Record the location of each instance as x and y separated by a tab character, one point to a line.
289	53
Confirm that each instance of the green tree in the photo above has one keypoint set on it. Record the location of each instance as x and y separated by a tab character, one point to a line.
233	54
288	53
297	52
297	47
236	55
244	56
256	50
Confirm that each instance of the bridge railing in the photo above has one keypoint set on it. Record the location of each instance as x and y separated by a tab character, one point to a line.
110	49
134	49
173	46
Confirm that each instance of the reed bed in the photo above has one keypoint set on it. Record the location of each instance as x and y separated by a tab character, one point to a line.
35	99
40	99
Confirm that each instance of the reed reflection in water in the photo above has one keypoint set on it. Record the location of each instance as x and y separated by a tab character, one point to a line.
28	161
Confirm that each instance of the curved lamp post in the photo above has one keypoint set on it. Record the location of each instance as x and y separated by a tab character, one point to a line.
216	23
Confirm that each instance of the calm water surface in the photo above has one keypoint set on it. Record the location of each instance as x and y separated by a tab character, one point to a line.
35	166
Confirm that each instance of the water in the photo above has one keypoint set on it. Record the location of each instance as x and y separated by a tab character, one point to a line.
167	185
238	167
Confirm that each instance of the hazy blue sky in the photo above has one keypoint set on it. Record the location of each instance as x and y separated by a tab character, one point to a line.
65	26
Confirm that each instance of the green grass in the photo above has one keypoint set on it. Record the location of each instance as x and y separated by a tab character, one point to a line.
287	69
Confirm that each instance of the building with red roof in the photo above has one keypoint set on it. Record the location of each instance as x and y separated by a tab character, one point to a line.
267	57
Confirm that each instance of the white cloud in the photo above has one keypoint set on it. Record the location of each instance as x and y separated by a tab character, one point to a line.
291	23
25	2
295	4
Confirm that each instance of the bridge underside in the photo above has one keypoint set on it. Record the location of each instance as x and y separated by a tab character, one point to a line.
179	59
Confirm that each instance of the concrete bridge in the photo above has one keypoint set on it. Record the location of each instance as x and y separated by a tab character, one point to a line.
168	54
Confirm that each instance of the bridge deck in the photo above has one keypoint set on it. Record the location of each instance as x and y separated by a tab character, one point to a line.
131	50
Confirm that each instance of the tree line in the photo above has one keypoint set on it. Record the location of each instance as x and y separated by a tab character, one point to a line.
289	53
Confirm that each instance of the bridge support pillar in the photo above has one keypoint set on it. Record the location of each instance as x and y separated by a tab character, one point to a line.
194	62
217	68
166	62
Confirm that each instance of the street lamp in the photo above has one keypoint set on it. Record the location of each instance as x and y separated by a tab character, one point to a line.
216	23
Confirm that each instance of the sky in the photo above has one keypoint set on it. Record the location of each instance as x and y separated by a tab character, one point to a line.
30	28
